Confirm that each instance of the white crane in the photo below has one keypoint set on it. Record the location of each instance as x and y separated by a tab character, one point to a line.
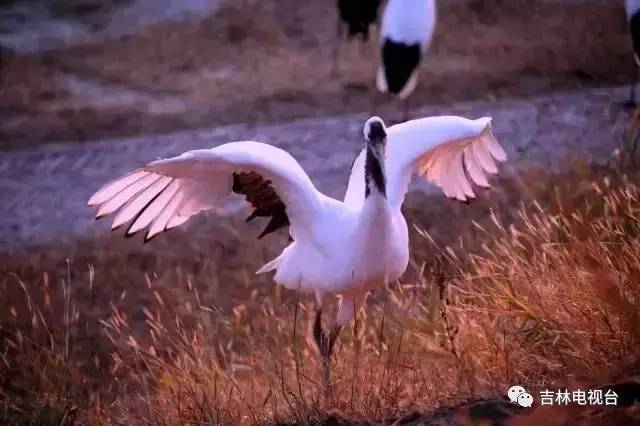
407	29
341	248
633	16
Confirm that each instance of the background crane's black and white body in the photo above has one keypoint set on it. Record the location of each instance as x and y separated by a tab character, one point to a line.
357	17
407	30
633	16
343	248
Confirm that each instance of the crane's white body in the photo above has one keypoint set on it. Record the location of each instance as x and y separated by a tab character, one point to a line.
356	247
411	22
345	248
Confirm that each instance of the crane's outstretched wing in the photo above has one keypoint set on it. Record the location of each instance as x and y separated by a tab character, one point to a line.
166	193
355	188
452	152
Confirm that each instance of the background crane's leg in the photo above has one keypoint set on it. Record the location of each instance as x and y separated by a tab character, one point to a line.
631	103
336	50
364	48
405	109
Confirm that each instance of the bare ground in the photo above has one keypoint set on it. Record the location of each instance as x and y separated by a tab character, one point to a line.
271	61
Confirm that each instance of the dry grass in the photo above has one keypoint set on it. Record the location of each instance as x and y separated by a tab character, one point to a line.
552	303
543	294
549	301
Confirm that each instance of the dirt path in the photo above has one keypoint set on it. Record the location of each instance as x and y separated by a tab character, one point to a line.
43	193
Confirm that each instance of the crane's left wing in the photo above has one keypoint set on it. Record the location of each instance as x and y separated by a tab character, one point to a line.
166	193
452	152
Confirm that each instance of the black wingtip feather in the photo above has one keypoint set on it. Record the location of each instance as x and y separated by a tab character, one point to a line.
252	216
264	232
130	234
147	238
467	201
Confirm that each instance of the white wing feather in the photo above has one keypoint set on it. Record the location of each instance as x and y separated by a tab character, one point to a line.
452	152
354	196
166	193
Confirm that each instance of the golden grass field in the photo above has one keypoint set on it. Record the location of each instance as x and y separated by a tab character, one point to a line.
534	284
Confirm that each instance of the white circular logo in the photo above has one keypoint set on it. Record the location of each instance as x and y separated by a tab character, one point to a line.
514	392
525	400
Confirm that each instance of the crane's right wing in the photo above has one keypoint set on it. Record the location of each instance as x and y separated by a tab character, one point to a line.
452	152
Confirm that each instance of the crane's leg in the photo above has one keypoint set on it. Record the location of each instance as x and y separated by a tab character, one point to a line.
325	343
363	48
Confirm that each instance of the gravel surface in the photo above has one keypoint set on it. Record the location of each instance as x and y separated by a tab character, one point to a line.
43	192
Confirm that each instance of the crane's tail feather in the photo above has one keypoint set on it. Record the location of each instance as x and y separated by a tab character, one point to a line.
381	81
410	86
270	266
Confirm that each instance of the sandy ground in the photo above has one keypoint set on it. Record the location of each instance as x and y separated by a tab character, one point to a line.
271	61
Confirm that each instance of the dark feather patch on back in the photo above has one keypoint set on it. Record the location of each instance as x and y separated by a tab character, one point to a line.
400	61
263	198
358	15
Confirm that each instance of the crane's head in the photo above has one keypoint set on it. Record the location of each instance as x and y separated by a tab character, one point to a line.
375	130
375	134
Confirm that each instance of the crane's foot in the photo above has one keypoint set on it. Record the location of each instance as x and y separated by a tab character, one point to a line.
325	343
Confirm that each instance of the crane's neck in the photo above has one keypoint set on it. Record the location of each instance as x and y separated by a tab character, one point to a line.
375	181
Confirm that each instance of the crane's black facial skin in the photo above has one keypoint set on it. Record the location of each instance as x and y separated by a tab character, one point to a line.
376	132
374	175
